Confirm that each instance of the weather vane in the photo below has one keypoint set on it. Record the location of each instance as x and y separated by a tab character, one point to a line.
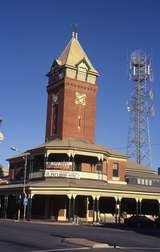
74	31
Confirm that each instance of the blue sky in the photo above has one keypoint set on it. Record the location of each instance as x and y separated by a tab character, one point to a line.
34	33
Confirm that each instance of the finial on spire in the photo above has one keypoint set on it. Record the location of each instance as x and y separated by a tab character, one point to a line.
74	33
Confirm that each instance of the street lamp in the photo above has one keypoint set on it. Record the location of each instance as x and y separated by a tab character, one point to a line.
25	200
1	137
1	134
1	140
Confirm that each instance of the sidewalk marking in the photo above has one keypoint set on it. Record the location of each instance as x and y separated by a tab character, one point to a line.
87	243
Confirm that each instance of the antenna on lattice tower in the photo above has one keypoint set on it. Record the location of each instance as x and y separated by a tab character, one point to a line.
140	108
1	120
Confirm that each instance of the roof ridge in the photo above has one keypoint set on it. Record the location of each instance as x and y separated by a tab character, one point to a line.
74	53
66	50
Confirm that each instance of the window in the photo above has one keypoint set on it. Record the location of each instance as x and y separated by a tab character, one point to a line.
146	182
115	170
134	181
79	122
138	181
142	181
54	119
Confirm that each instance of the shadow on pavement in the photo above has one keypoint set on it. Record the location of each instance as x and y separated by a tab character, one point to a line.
146	228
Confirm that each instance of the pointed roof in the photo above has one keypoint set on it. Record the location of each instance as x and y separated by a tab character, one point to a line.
74	54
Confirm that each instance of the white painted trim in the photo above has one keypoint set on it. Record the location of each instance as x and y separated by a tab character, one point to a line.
117	182
116	178
86	190
116	158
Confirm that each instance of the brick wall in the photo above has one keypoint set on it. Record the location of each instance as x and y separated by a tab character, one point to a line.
70	113
122	168
86	167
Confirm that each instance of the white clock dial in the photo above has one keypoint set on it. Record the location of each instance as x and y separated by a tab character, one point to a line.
80	98
54	98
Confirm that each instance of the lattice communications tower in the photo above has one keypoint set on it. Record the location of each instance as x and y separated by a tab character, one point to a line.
140	108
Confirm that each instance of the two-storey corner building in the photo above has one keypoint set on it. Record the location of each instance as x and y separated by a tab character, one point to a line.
70	177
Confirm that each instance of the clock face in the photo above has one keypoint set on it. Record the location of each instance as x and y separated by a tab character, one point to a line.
61	75
80	98
54	98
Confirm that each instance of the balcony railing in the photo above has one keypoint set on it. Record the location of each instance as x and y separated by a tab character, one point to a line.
67	174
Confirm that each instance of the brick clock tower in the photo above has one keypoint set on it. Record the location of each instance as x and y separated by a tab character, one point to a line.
71	111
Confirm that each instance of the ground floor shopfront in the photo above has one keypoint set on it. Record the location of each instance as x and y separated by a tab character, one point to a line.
75	204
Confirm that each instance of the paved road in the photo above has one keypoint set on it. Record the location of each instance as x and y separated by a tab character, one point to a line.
33	237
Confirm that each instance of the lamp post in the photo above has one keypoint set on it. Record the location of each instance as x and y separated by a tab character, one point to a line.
25	199
1	137
1	140
1	134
